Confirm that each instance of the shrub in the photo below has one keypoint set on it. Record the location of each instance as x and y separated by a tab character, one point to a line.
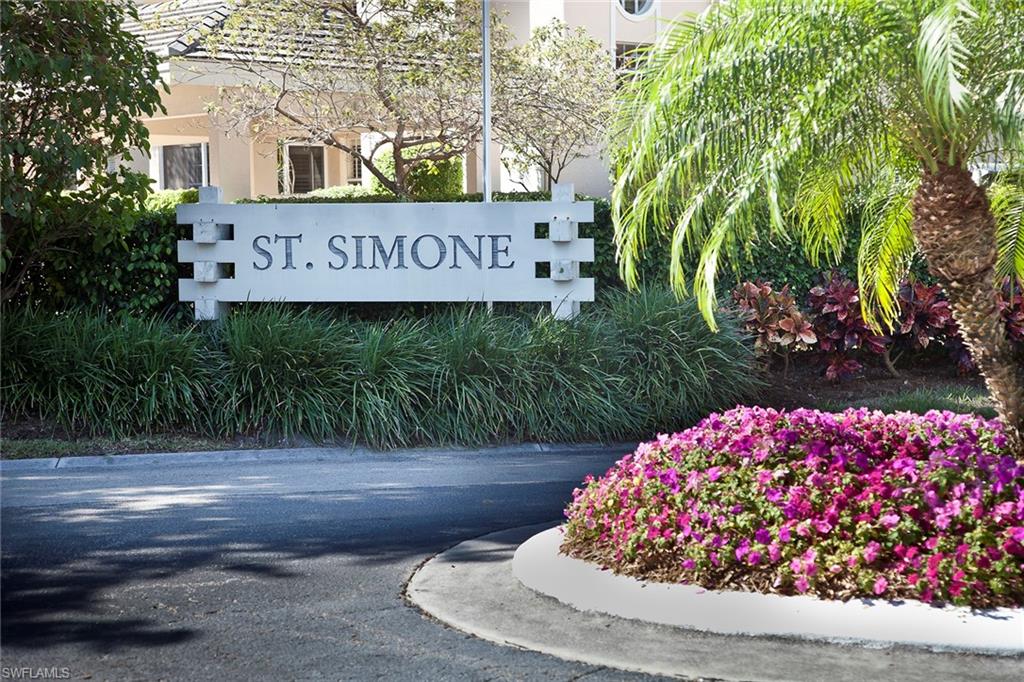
136	272
925	315
660	336
168	199
476	359
426	178
285	372
110	374
774	319
841	334
343	192
619	370
855	504
570	382
391	387
840	328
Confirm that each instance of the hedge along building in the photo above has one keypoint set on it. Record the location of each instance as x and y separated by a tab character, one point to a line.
191	147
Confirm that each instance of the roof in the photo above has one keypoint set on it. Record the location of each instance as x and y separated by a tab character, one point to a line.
178	28
174	27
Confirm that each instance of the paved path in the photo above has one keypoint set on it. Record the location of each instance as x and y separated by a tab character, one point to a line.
264	569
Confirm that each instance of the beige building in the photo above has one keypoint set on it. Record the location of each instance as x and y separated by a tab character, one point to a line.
188	147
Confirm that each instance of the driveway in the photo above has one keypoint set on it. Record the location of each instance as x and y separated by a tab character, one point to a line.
278	569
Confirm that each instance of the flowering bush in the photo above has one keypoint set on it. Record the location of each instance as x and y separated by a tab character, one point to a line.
855	504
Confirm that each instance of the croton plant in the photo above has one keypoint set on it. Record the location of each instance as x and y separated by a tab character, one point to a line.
832	327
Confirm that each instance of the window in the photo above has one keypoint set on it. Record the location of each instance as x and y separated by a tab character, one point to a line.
626	56
355	171
184	166
303	169
636	8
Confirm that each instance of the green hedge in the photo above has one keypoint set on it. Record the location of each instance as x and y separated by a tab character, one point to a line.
168	199
623	369
136	272
426	178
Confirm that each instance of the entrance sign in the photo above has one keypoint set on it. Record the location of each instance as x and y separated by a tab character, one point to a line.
465	252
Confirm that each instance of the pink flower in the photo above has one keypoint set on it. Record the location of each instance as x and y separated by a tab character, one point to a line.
881	584
800	584
890	520
871	551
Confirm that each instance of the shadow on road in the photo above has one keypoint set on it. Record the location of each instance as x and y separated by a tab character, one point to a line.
84	572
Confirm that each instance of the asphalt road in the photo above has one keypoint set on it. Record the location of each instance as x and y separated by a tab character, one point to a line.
264	570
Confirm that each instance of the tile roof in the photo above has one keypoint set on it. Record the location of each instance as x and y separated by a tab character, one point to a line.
174	27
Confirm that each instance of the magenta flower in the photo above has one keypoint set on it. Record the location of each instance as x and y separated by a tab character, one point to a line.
890	520
789	494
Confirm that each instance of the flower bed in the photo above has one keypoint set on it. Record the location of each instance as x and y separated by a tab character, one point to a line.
854	504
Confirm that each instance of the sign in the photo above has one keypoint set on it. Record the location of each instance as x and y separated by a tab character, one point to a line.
464	252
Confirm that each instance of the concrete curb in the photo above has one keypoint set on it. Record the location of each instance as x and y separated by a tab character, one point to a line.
272	455
471	588
585	586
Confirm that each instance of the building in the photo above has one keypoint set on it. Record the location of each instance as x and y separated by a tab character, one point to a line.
189	148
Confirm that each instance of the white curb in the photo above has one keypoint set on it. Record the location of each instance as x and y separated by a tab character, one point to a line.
586	587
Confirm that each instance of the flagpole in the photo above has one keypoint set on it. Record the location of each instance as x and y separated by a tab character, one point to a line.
487	98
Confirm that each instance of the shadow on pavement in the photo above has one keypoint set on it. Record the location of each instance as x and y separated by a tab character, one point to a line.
82	572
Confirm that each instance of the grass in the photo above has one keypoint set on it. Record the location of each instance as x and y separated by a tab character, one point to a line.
624	368
951	397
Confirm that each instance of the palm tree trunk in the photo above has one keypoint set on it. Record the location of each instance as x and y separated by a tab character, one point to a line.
955	230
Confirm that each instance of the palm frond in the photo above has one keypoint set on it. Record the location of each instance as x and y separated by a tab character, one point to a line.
941	62
886	249
1007	201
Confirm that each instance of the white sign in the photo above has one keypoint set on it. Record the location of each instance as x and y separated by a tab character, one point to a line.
384	252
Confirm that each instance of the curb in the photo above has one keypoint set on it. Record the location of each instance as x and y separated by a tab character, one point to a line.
470	587
539	565
278	455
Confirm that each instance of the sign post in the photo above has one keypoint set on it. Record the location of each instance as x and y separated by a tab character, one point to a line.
385	252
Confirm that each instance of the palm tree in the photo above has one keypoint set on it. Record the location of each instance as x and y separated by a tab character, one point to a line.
794	107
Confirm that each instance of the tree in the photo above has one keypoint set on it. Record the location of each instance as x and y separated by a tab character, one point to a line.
74	86
553	99
793	106
406	70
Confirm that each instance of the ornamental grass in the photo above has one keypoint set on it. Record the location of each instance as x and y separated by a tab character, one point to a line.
625	367
839	506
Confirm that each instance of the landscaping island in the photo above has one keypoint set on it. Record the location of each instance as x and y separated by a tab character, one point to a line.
847	505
